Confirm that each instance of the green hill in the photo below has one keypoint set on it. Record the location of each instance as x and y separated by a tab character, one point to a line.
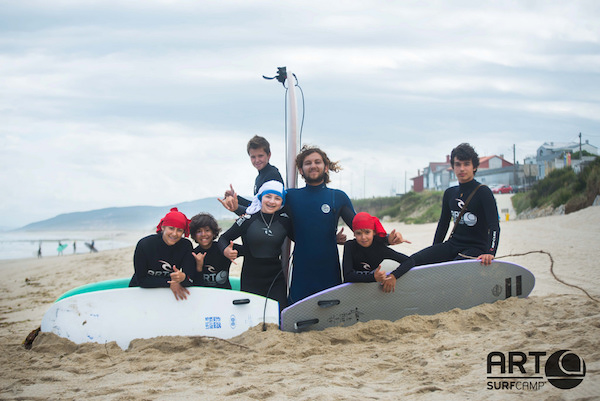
563	187
411	208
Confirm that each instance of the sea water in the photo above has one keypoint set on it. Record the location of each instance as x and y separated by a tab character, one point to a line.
20	245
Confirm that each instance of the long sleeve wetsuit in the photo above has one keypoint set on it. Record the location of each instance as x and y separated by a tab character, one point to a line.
315	211
360	263
153	262
215	270
477	232
262	235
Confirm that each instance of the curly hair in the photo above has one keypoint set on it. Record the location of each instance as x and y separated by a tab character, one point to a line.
308	150
464	152
204	220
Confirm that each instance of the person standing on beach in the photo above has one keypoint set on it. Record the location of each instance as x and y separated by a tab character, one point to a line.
212	267
165	259
315	211
473	209
259	150
263	228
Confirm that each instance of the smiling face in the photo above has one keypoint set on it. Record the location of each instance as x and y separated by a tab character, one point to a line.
259	158
313	169
204	237
464	170
364	237
171	235
271	203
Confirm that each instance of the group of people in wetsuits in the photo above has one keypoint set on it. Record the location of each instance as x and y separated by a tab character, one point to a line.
309	216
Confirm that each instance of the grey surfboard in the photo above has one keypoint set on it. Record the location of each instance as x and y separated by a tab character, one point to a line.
423	290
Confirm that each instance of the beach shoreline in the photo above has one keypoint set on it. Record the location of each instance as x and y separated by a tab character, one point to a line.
418	357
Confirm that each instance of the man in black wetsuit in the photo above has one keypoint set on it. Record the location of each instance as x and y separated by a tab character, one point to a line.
475	235
259	150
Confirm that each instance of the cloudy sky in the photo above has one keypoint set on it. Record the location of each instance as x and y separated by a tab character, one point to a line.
118	103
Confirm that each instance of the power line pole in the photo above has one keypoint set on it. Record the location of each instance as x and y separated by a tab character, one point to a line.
515	164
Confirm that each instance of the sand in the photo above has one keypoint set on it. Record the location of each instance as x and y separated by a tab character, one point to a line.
436	357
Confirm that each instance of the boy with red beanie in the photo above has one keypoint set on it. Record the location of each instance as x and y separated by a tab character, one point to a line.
163	259
363	254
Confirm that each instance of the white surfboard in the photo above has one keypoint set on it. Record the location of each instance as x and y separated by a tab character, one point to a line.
125	314
423	290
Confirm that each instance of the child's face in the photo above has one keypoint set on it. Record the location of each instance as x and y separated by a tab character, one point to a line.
271	203
204	237
171	234
259	158
364	237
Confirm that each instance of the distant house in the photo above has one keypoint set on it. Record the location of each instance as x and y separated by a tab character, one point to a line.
435	177
556	155
495	170
439	176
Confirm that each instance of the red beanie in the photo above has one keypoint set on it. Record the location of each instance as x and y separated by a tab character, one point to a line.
364	221
175	219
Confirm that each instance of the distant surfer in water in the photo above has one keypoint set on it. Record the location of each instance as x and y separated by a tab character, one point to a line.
364	253
315	211
212	267
259	150
263	229
164	259
473	209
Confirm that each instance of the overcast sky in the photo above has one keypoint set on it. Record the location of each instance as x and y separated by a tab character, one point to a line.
119	103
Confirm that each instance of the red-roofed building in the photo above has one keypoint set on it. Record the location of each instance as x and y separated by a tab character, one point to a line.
494	169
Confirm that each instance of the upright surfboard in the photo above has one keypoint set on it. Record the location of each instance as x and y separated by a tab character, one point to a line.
424	290
125	314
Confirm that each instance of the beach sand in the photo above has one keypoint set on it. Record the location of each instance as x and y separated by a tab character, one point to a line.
440	357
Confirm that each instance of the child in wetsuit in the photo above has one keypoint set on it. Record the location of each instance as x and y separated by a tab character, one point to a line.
363	254
212	268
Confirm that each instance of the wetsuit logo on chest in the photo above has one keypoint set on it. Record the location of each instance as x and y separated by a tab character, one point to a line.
325	208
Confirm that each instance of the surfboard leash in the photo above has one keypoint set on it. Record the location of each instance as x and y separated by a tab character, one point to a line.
264	325
551	269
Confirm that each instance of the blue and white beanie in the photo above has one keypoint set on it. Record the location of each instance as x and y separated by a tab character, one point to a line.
269	187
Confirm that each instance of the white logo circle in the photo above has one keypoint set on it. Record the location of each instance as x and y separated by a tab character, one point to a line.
325	208
470	219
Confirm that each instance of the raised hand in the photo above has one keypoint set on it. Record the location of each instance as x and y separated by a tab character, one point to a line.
177	276
340	237
230	253
199	260
396	238
379	274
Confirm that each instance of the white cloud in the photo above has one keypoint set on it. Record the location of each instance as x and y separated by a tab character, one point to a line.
112	103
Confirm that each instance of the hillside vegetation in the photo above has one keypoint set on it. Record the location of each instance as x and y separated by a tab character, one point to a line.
411	208
562	187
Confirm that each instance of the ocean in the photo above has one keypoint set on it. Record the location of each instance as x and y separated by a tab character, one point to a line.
21	245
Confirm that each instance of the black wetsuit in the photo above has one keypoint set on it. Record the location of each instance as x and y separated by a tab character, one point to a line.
262	253
215	271
477	233
153	262
267	173
359	262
